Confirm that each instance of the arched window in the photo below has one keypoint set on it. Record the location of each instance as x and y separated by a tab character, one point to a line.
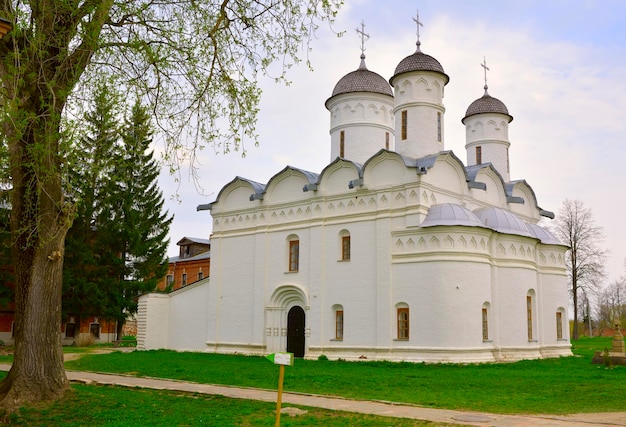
559	323
485	321
404	124
294	253
438	127
530	310
402	317
342	143
344	239
338	312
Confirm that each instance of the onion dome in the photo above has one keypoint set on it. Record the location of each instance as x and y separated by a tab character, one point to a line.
487	104
419	61
362	80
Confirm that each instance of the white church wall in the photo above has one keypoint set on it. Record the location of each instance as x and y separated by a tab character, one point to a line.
188	317
153	321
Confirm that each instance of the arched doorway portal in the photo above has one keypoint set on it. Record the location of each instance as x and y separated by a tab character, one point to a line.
295	331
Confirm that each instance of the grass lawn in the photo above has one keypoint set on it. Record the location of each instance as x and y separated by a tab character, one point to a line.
89	405
565	385
551	386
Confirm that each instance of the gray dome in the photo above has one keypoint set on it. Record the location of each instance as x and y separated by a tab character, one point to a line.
419	61
362	80
450	214
487	104
503	221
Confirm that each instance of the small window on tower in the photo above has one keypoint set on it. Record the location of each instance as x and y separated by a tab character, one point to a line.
386	140
404	124
479	155
439	126
342	142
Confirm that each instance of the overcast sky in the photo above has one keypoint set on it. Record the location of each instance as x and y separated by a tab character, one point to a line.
559	67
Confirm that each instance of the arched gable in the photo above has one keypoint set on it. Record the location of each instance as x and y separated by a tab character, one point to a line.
444	170
524	201
487	185
236	195
388	168
288	184
336	177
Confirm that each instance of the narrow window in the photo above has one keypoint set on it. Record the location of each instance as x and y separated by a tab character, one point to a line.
479	155
294	255
339	324
170	279
184	281
403	323
404	124
200	275
70	330
439	126
345	248
485	325
387	140
529	316
94	329
559	325
342	143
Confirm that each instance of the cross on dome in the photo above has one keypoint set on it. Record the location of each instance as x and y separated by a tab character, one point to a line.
364	37
484	65
418	24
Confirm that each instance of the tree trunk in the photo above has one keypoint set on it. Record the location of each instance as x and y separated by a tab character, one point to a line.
40	219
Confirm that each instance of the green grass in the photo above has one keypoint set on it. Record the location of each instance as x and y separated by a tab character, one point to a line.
119	406
551	386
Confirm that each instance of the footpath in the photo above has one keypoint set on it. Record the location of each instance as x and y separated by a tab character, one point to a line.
387	409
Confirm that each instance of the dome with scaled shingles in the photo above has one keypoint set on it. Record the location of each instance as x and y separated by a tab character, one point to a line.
487	104
362	80
419	61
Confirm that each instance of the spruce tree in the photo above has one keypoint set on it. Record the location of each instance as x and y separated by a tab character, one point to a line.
138	225
88	263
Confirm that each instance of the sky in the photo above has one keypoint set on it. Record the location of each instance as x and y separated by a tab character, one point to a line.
559	66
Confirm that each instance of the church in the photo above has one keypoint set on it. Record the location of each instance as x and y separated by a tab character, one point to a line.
396	250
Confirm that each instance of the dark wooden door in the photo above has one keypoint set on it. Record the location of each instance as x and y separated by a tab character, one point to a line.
295	331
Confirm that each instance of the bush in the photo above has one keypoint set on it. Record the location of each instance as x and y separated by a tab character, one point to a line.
84	340
322	358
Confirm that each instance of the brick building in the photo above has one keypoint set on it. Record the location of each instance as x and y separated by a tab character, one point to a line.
192	264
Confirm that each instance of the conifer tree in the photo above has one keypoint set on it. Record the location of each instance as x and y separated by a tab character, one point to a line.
116	248
137	226
87	266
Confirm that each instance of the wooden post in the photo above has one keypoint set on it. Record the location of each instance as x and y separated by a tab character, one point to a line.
281	376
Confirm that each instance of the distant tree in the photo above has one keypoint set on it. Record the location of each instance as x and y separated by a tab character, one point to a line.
195	62
612	303
576	228
136	227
